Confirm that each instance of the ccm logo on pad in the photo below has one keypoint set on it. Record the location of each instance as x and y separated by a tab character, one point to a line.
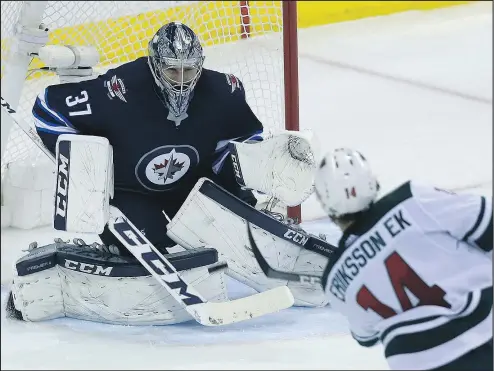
87	268
63	168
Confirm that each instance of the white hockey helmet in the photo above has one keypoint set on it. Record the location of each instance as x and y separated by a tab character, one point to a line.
344	183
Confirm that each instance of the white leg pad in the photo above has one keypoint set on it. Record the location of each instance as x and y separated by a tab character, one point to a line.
205	219
60	292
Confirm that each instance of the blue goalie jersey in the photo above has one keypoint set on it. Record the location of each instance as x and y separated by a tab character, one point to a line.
156	161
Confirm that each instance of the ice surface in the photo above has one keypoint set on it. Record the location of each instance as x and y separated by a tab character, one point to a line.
413	92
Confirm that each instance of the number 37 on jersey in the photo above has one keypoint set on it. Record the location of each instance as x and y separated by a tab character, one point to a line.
79	104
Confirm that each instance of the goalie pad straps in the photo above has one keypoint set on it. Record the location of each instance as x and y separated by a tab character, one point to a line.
84	183
282	166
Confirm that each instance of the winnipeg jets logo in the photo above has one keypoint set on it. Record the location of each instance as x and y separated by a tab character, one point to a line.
161	168
169	167
116	88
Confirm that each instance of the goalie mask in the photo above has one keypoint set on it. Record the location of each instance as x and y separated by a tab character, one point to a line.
175	58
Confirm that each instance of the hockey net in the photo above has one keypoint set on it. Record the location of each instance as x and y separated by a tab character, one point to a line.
255	40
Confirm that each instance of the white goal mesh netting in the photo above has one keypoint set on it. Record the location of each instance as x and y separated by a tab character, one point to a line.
120	30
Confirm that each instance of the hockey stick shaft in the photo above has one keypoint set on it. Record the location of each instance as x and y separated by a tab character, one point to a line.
276	274
206	313
27	129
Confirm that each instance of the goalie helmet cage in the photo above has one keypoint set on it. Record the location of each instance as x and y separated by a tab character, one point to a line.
255	40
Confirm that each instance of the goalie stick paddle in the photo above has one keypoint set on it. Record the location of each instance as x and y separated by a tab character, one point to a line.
204	312
276	274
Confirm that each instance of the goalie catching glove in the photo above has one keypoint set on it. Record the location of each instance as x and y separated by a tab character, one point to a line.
282	165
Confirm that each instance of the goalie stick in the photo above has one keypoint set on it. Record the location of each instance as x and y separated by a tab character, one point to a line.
204	312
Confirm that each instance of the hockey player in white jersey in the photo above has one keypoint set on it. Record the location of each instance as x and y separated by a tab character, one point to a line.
412	270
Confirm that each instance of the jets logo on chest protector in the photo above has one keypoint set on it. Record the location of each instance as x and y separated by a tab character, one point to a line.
161	168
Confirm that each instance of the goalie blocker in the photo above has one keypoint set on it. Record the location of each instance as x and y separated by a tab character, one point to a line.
85	177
